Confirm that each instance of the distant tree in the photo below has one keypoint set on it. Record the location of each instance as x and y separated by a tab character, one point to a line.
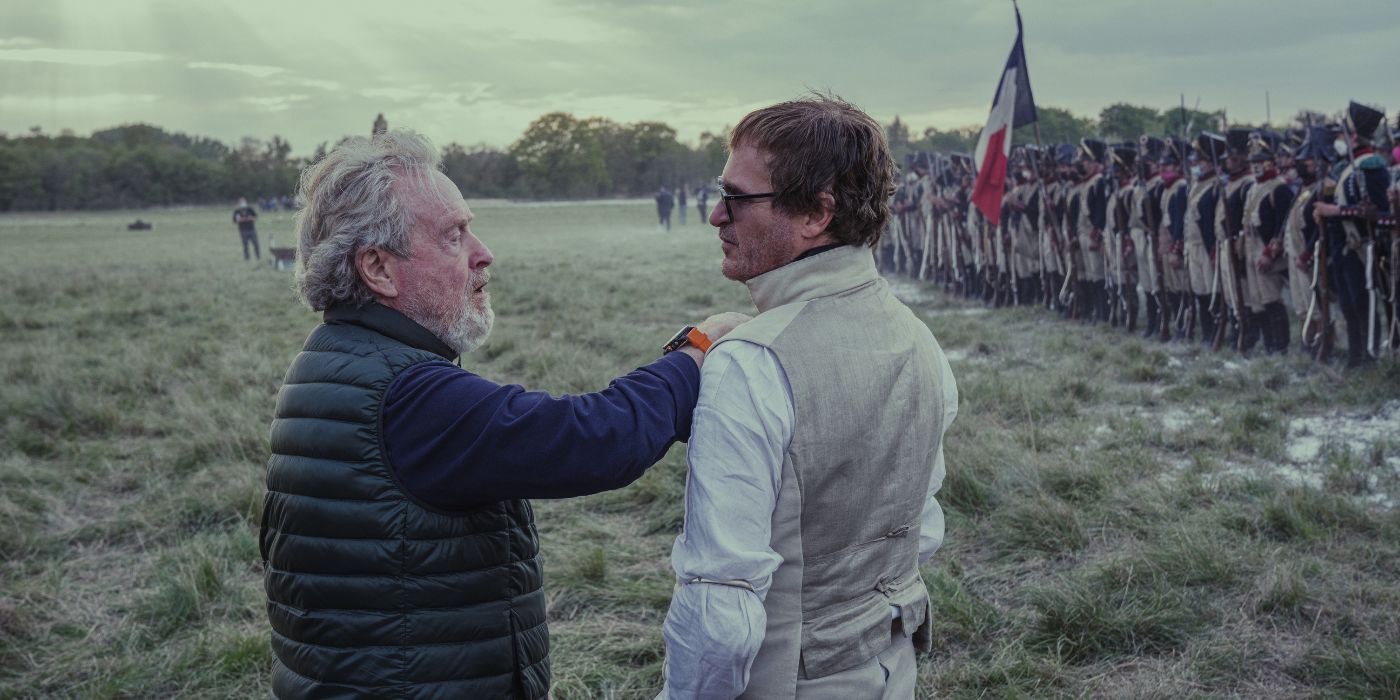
659	157
897	134
21	180
1126	122
481	171
713	152
560	156
934	140
1057	125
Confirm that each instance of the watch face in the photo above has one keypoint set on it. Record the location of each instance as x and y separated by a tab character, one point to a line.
678	341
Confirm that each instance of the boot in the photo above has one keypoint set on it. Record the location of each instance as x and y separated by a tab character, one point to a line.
1357	356
1202	302
1173	300
1132	311
1152	319
1252	323
1276	328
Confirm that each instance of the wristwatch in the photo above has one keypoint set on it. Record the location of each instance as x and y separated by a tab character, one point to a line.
690	335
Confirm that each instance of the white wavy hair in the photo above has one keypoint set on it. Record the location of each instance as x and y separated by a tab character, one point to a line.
349	204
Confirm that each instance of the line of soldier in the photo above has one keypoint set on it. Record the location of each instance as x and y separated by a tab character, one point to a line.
1208	236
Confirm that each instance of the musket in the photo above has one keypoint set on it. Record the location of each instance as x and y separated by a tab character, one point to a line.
1040	224
1321	291
1235	265
1018	220
1154	259
1119	313
1067	294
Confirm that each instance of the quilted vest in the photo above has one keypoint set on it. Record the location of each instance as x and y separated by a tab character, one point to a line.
370	592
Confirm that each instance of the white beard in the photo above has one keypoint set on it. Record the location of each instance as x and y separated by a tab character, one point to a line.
471	327
463	330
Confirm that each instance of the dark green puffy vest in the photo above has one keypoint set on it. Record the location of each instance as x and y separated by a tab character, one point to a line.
371	593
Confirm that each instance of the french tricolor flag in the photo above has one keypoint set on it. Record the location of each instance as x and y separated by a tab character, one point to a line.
1013	106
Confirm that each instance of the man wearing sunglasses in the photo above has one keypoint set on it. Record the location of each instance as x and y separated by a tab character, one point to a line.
816	443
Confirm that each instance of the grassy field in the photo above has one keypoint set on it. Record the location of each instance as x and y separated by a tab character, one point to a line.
1125	519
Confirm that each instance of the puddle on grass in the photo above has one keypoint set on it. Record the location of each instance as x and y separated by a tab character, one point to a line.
1311	447
1313	441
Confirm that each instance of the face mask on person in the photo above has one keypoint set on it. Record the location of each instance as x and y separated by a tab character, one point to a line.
1197	171
1026	174
1341	146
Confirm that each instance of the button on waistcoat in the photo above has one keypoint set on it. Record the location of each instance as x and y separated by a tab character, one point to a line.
371	593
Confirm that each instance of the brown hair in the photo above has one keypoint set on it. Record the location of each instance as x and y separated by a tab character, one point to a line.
822	143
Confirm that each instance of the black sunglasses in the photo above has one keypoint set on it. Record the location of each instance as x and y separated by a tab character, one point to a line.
725	197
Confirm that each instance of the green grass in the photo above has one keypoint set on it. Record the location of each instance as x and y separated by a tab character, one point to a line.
1117	522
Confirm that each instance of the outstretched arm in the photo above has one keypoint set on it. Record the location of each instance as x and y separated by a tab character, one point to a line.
724	560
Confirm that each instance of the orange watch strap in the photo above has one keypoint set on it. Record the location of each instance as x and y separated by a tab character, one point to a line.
698	339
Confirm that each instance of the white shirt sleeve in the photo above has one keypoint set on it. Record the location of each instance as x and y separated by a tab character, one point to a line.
931	528
724	563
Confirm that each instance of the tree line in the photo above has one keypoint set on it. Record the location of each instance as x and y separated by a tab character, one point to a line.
559	156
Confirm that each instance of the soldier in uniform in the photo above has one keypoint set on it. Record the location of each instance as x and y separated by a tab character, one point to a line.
1142	224
1092	219
969	219
1171	229
1025	236
1038	217
1199	234
927	194
1066	215
1265	211
1052	223
1229	224
1021	246
1310	161
1360	215
1124	260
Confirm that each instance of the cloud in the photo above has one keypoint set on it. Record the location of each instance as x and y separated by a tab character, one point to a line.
253	70
77	57
279	103
479	72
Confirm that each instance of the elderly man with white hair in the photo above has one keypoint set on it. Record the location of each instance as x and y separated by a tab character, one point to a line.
400	552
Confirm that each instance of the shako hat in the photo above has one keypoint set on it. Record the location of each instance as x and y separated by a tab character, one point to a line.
1211	147
1365	120
1237	141
1092	149
1150	148
1264	146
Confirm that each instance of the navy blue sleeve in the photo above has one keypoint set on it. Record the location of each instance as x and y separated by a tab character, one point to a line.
1273	217
1206	211
1176	213
455	439
1098	205
1309	224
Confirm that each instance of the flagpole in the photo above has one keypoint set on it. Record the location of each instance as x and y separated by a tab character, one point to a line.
1039	183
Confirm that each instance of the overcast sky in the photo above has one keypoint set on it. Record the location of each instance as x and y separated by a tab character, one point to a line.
479	72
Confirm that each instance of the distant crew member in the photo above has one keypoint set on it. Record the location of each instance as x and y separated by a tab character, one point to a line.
244	216
665	201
